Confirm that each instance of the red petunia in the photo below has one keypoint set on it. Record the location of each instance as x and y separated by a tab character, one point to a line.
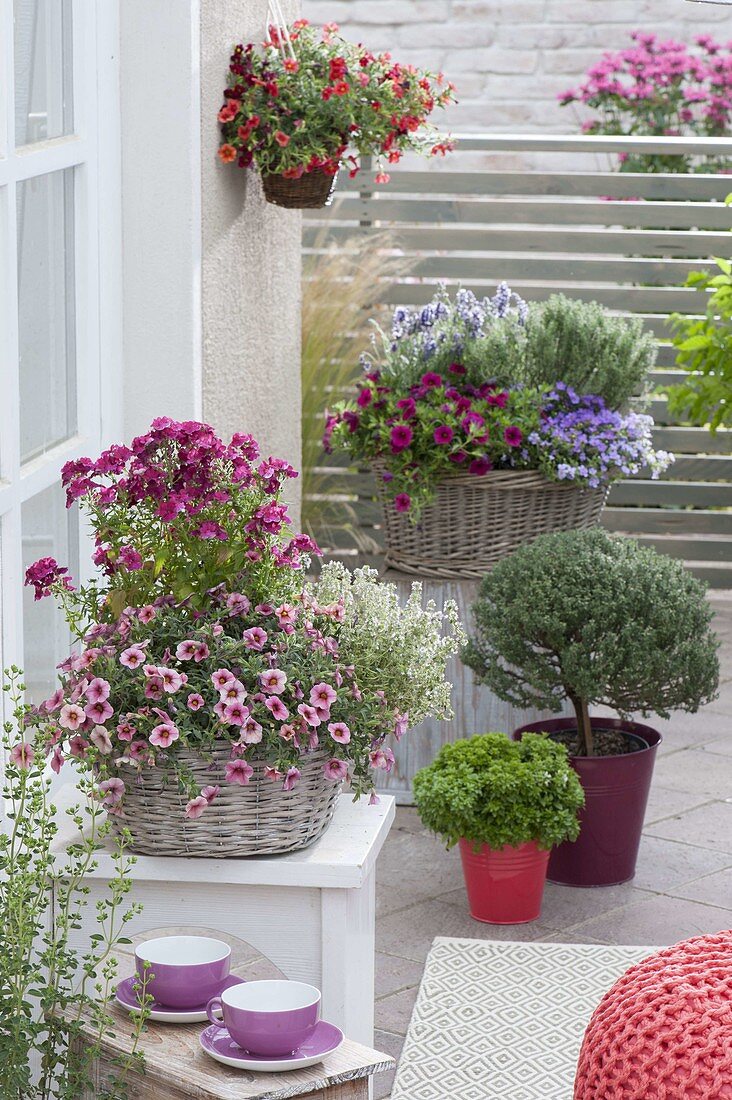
281	138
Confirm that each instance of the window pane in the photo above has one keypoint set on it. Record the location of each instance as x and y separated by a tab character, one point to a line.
49	530
46	312
43	70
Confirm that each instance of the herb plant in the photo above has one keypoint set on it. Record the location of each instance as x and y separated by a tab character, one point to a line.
48	986
491	790
310	100
596	621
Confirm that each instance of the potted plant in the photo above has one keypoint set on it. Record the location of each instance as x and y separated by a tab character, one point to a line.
490	422
309	101
583	618
49	985
220	701
506	803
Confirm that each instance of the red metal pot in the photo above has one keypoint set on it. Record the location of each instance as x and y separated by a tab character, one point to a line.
616	792
504	886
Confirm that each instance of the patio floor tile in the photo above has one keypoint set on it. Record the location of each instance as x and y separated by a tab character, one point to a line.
394	973
709	826
657	920
690	771
721	746
395	1011
713	889
665	802
390	1044
665	864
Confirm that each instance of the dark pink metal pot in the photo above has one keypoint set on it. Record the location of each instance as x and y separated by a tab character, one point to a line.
616	792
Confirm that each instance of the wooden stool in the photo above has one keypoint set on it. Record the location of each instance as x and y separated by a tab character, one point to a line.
177	1069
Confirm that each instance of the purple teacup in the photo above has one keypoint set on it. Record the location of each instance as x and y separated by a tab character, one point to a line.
184	971
268	1018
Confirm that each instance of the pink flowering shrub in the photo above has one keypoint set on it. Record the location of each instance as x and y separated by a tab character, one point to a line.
663	88
179	647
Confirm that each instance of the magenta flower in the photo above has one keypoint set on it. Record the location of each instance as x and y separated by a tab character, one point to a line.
164	735
335	770
101	739
71	716
194	701
277	708
400	438
255	638
45	573
480	466
57	759
251	732
340	732
196	806
310	714
185	651
133	656
408	407
146	614
432	380
97	690
236	713
273	681
238	771
210	530
513	436
402	502
443	435
221	677
111	791
126	731
54	701
130	558
291	779
22	755
211	793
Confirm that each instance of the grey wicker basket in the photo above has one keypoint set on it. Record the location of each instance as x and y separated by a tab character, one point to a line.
253	820
474	522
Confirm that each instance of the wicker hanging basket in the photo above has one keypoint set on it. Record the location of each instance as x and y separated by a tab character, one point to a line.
474	522
253	820
309	192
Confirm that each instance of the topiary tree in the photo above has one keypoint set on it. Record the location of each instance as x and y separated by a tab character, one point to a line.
498	792
596	620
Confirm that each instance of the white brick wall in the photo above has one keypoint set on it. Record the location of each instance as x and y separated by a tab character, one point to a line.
510	58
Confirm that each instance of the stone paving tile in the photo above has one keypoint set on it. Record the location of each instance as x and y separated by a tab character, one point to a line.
658	920
666	802
690	771
389	1044
395	1011
665	864
709	826
412	930
721	746
713	889
394	973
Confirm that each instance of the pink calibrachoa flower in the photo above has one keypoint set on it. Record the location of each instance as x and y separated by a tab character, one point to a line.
78	747
164	735
101	739
335	770
255	638
287	732
186	651
22	755
138	750
340	732
286	614
57	759
235	713
112	791
195	701
401	725
54	701
154	687
71	716
99	712
237	603
291	779
211	793
273	773
273	681
233	692
238	771
172	680
251	732
133	656
97	690
277	708
126	731
382	757
322	697
146	614
221	677
374	799
310	714
196	806
202	650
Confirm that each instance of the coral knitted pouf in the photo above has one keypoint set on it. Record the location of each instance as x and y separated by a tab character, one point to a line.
664	1030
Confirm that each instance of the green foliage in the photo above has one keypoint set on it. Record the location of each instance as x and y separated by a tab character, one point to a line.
48	986
580	343
704	349
498	792
596	620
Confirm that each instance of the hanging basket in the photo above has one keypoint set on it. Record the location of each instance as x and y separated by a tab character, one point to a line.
474	522
310	192
253	820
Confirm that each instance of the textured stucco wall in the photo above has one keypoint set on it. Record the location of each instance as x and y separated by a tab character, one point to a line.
251	265
510	58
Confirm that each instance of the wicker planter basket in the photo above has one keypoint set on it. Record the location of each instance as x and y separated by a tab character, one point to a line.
310	192
253	820
473	522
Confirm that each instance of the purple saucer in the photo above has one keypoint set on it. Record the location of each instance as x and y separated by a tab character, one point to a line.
127	998
218	1044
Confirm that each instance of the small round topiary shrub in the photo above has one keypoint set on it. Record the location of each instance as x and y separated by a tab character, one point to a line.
595	620
490	790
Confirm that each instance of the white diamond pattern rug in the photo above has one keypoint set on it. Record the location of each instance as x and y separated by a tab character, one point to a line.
504	1021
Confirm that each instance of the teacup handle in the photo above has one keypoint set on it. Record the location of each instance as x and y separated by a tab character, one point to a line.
213	1004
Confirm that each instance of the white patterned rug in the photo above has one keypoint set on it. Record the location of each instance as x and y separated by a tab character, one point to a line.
504	1021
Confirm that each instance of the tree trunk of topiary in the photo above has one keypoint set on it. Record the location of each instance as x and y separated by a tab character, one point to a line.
584	726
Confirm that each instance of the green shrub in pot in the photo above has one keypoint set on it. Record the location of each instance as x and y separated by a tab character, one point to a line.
490	790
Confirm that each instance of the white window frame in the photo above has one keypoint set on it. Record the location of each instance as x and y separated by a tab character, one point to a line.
93	152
